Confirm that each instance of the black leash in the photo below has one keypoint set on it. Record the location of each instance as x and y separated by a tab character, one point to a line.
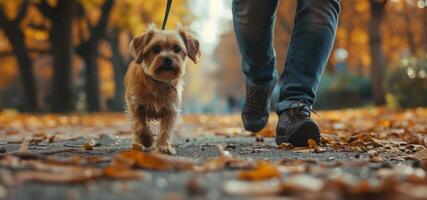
165	20
168	7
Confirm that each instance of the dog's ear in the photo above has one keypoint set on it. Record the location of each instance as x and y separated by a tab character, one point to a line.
191	44
137	45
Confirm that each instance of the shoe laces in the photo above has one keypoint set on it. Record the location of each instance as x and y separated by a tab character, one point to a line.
299	113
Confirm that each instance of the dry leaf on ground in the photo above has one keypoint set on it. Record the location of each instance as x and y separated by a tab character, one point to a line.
214	164
154	161
285	146
263	170
267	132
420	155
303	182
77	175
118	172
313	144
258	188
25	144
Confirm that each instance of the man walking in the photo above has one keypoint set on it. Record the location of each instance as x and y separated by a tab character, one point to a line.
312	39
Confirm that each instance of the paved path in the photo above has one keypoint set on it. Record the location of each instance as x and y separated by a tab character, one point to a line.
358	165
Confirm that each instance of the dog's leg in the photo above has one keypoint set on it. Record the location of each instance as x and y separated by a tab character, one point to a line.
142	135
167	125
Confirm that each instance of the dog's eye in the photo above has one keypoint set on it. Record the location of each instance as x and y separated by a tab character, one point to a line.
156	49
176	49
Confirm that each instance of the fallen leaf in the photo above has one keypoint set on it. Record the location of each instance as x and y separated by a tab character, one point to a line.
266	132
362	187
77	175
87	147
118	172
214	164
313	144
413	191
258	188
401	171
154	161
51	138
304	182
263	170
420	155
376	159
285	146
233	131
302	150
293	169
25	144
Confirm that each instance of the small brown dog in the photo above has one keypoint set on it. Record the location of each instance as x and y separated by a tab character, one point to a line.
154	84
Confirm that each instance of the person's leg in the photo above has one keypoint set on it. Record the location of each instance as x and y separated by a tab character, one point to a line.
253	22
253	26
311	43
312	39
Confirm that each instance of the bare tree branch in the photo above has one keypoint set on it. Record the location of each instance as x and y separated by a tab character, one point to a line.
103	19
21	13
46	9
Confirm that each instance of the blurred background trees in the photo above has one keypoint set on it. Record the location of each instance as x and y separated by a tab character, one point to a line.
68	55
72	38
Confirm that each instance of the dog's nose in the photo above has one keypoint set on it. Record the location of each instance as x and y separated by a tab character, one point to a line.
167	61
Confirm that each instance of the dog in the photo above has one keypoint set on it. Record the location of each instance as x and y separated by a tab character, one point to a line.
154	84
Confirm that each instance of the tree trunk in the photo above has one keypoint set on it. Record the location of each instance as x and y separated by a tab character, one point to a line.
411	43
379	63
17	39
62	50
88	50
90	55
26	72
119	67
425	29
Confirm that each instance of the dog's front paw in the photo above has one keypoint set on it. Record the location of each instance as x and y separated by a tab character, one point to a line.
166	148
140	147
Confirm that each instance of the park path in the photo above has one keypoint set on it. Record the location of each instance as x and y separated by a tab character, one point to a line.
363	154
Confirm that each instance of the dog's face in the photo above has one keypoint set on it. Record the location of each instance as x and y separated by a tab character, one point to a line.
162	54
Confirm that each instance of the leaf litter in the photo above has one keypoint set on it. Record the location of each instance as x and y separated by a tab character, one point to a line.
390	145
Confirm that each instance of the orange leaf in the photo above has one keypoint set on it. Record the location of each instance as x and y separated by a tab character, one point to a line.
313	144
118	172
134	158
285	146
267	132
214	164
141	159
262	171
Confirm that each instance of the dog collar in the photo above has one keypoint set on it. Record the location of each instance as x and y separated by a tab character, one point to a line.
162	82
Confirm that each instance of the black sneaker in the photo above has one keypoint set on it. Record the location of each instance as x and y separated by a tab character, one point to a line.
295	126
256	108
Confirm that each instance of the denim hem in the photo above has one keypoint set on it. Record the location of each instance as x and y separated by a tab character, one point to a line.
268	83
287	104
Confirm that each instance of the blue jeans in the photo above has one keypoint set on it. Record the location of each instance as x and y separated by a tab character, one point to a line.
311	43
